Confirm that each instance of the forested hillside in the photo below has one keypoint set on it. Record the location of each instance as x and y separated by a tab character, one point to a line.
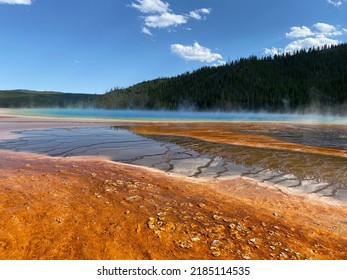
43	99
308	80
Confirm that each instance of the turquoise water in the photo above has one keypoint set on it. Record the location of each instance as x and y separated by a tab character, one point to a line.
179	115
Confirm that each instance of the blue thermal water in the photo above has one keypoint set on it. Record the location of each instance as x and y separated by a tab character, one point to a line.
179	115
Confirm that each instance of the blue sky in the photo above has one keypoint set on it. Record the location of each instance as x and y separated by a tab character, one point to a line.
93	45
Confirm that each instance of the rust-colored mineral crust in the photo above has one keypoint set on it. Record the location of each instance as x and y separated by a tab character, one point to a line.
74	208
90	208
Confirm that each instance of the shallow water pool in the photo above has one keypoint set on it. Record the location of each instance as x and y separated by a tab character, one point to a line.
323	175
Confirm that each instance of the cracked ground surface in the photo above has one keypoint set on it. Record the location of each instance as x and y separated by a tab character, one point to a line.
311	173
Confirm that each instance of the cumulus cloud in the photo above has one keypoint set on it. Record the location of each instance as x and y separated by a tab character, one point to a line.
304	37
327	29
157	14
196	52
151	6
336	3
308	43
165	20
18	2
297	32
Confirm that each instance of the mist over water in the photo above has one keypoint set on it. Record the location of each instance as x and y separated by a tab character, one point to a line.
181	115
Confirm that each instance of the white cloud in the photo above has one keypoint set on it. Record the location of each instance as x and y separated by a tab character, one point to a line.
198	14
219	63
151	6
145	30
297	32
318	36
273	51
336	3
165	20
205	10
327	29
19	2
320	29
308	43
159	15
195	15
196	53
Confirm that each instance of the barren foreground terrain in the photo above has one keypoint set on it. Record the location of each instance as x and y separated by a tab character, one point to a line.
91	208
54	208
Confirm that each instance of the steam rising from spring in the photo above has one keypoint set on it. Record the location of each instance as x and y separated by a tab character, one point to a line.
183	115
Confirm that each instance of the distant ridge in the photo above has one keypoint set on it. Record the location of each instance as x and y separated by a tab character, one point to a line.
313	80
23	98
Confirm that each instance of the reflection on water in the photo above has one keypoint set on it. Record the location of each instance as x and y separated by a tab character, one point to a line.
309	173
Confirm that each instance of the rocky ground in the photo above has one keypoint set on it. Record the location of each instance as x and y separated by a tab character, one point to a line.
85	208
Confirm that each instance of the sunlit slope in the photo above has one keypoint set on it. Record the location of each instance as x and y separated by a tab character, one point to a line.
312	80
32	99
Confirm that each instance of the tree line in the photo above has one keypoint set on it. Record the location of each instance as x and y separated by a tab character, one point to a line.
313	79
44	99
306	81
